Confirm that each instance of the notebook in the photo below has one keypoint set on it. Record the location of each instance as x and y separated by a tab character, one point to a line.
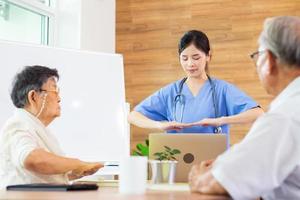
53	187
194	148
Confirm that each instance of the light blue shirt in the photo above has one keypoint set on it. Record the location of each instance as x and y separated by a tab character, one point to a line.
230	101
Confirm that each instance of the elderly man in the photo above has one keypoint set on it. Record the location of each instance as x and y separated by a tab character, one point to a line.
29	153
267	162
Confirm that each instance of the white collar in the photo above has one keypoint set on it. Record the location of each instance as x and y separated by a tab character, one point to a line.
24	113
292	89
41	130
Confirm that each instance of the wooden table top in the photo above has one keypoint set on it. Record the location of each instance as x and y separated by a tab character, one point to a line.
107	192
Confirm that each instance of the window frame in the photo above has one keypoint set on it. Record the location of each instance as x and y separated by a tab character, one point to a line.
48	11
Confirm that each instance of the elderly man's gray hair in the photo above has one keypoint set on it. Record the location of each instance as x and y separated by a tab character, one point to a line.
281	35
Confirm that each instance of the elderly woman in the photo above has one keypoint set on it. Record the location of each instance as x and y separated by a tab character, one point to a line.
29	153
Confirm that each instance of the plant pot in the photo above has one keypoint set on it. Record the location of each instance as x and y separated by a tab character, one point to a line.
163	171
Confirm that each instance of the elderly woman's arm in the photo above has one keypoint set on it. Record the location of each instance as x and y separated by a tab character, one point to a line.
43	162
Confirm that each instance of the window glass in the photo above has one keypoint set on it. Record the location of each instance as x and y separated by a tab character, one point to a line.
20	24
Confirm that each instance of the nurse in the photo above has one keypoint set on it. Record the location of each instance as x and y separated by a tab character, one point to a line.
197	103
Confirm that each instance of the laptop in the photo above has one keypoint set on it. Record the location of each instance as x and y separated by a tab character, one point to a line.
194	148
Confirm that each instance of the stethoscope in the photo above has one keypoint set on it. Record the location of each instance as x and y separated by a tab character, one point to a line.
179	98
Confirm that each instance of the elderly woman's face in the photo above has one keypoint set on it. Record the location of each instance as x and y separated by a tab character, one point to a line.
50	96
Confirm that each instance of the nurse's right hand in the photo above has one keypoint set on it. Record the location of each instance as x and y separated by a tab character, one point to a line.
172	125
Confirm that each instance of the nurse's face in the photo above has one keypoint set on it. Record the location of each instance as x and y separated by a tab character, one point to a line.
193	61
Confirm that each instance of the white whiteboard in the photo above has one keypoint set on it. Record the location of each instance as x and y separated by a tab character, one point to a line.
92	125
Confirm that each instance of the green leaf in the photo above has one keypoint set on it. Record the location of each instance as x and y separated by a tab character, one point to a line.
140	146
163	157
167	154
169	151
175	151
158	154
147	142
144	150
173	158
167	148
136	153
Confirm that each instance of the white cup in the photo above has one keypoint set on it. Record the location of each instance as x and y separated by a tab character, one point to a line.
133	175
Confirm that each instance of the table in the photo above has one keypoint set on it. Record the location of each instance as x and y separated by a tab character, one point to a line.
110	192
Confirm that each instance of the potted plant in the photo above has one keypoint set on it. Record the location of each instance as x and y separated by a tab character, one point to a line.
164	166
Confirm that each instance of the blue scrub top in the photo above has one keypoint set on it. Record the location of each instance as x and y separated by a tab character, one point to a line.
230	101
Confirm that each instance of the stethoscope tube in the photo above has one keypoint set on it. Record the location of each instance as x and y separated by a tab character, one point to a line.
179	98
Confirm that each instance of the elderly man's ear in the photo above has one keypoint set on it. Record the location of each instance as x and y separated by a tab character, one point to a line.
272	67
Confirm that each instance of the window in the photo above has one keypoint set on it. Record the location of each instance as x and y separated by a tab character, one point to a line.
27	21
46	2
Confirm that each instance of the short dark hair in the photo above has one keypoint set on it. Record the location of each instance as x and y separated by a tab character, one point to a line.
198	38
30	78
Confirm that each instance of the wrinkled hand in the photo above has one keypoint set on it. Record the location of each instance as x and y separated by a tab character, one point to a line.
87	168
209	122
196	173
172	125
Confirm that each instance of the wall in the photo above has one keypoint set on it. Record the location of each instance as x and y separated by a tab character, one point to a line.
98	25
68	24
86	24
148	32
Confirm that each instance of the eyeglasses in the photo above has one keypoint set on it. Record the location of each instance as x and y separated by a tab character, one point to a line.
56	91
254	56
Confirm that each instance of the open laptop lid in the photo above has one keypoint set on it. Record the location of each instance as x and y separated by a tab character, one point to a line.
194	147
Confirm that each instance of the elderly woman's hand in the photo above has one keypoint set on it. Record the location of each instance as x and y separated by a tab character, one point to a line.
87	168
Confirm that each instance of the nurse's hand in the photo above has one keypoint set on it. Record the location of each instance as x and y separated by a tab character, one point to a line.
209	122
172	126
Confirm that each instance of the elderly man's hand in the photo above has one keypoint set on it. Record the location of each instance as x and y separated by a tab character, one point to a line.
196	173
201	180
87	168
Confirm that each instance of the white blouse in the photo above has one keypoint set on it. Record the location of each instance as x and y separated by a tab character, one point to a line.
21	134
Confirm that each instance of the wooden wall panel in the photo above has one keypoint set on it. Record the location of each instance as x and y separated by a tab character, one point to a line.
148	32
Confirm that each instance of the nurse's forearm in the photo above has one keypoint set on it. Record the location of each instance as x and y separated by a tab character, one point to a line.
142	121
248	116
